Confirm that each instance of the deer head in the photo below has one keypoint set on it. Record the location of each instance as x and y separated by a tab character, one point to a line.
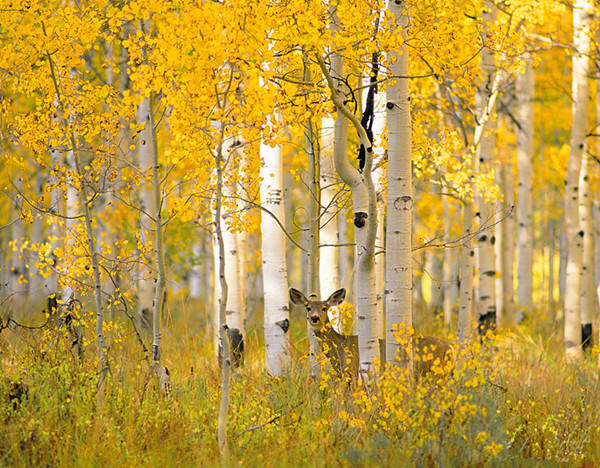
316	311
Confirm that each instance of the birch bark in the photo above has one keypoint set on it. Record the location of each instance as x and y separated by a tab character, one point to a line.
398	269
582	16
524	111
275	282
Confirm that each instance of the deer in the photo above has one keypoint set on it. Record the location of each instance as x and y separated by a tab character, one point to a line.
342	350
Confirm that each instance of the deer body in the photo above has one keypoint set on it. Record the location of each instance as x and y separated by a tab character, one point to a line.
342	350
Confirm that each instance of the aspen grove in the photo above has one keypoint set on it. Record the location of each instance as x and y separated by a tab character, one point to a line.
299	233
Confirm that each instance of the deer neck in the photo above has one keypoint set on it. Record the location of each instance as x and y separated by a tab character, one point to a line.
328	334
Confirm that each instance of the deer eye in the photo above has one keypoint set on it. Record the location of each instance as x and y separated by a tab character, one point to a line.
325	309
308	308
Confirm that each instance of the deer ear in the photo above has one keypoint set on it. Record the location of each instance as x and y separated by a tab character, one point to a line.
297	297
337	297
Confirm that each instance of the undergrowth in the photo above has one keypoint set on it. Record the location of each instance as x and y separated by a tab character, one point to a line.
513	400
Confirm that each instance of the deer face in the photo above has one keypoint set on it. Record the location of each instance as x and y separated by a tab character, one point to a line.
316	311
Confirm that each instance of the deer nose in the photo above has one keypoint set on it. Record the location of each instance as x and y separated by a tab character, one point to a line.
314	319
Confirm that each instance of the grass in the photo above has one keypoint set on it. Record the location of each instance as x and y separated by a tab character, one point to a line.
515	402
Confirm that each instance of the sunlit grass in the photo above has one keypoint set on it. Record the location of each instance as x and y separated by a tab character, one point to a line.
514	399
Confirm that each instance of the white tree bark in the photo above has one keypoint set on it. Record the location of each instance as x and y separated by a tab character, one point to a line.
588	299
276	315
525	134
17	280
582	15
329	255
486	152
506	246
196	273
467	264
71	213
398	269
379	179
364	202
232	262
450	264
146	287
36	282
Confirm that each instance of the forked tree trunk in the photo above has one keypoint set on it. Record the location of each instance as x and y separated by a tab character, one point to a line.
398	269
582	16
525	90
364	204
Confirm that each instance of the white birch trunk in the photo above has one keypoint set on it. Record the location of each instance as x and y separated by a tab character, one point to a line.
467	264
232	265
486	149
588	299
56	232
524	111
398	269
36	284
17	281
379	127
506	250
196	273
329	254
364	205
582	11
71	212
450	279
276	305
147	216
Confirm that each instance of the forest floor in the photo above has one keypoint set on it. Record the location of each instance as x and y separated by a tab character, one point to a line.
513	401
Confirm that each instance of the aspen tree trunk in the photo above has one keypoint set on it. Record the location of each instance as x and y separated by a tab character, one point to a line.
562	270
36	284
85	201
71	213
148	208
436	292
364	201
506	252
235	326
582	11
312	229
329	277
398	264
55	208
379	127
525	134
449	281
242	237
17	286
275	282
551	254
224	343
467	264
588	299
242	248
467	253
486	150
216	311
196	270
